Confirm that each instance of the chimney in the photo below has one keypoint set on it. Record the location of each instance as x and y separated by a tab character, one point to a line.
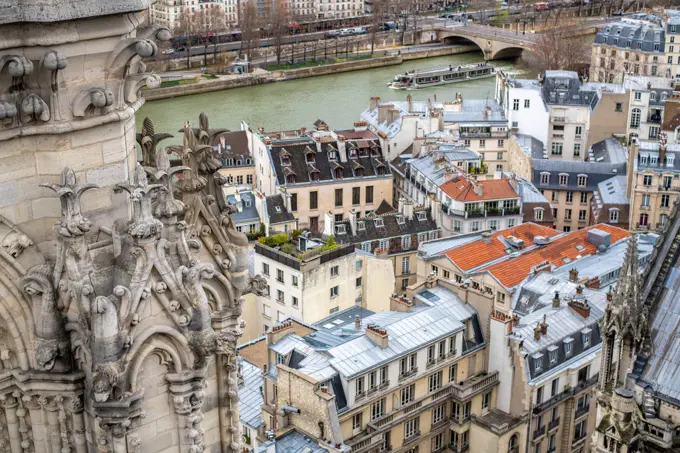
573	275
377	335
662	149
393	115
409	99
286	198
400	303
580	307
593	283
328	224
486	237
383	109
610	295
544	325
435	98
487	111
373	103
545	266
400	204
477	188
357	322
579	290
556	300
537	332
408	210
353	221
280	330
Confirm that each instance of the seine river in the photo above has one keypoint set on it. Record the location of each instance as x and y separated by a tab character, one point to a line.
337	99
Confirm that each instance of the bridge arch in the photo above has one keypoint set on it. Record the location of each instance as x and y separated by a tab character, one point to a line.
493	49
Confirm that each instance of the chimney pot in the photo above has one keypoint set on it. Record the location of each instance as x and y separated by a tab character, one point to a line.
573	275
357	322
556	300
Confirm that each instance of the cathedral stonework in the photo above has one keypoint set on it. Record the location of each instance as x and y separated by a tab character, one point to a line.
121	282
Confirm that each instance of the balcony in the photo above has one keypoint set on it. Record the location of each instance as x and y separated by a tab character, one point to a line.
582	411
407	374
539	432
476	384
582	385
578	438
558	119
456	449
554	424
665	188
410	439
654	119
477	213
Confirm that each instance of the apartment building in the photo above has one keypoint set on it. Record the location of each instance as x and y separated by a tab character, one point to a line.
610	203
629	46
394	234
647	98
238	164
653	184
611	116
673	43
168	13
670	122
306	282
337	9
322	171
408	379
522	101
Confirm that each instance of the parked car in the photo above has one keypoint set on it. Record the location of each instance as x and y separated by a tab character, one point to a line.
333	33
618	13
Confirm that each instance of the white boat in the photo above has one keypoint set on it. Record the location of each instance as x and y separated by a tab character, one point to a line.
441	76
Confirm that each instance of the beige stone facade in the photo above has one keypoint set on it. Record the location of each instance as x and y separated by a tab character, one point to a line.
610	116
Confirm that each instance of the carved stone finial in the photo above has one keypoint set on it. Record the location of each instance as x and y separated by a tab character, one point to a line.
72	222
143	224
148	140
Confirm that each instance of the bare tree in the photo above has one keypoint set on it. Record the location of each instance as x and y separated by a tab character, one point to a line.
249	25
555	48
481	6
278	27
202	25
378	15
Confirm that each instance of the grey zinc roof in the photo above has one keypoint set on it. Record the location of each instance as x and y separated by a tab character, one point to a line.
282	215
527	84
633	34
565	88
528	193
249	394
612	191
531	146
474	111
663	368
608	151
296	442
596	172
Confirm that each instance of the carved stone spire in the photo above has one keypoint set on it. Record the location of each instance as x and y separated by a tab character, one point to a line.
148	140
72	222
143	224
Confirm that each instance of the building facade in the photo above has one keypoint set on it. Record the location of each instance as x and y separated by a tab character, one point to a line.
238	164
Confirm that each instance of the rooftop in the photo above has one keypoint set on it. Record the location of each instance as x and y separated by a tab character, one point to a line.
464	189
531	146
611	191
249	394
477	111
643	34
484	251
558	252
608	151
565	88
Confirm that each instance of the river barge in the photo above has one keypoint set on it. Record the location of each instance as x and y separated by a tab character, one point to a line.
441	76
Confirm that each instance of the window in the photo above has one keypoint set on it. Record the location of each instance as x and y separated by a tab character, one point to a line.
585	334
557	149
577	149
369	194
266	312
249	179
539	395
665	200
446	274
359	386
294	301
294	280
515	104
265	268
407	394
411	428
465	438
570	197
279	275
404	283
430	354
551	443
356	422
338	198
578	131
435	270
279	296
647	180
527	102
635	118
378	409
405	265
383	375
335	270
613	215
568	346
466	143
482	143
501	143
293	202
644	219
314	200
438	413
582	215
334	291
486	401
638	95
580	430
545	178
645	201
407	364
453	372
538	214
437	441
435	381
358	282
356	195
584	197
619	107
581	180
567	214
405	242
564	179
554	386
239	179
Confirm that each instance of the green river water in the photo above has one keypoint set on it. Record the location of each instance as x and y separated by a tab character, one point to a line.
337	99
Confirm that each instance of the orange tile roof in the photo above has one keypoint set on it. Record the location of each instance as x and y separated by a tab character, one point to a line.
478	252
492	189
513	271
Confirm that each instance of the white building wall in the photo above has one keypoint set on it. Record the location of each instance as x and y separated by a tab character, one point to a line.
500	360
532	120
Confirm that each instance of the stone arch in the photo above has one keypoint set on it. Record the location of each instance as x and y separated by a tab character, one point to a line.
507	52
17	317
166	348
457	39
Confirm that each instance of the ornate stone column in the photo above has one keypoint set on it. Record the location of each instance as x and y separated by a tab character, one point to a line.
119	420
187	390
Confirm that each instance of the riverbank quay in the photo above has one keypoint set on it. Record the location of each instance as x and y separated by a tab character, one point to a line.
207	85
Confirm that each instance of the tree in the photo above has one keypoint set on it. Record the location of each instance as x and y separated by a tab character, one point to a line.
202	25
249	25
278	27
481	6
555	48
378	15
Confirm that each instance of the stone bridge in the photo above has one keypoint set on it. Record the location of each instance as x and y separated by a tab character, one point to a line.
495	43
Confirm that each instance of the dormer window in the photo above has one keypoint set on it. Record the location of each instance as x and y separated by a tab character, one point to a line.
400	220
337	173
340	229
564	179
405	242
421	215
310	158
246	203
552	354
332	155
545	178
375	151
359	172
278	209
314	176
363	152
538	362
582	180
585	337
568	346
285	157
361	225
291	179
379	223
353	153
